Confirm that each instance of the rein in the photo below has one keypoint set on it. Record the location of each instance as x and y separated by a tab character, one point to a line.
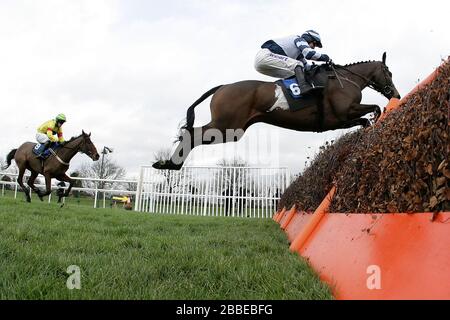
371	84
55	154
344	78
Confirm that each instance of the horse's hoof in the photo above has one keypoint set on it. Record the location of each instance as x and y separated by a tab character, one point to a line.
159	165
175	167
167	165
39	194
28	200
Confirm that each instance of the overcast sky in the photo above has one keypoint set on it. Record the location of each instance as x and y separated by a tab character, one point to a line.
127	70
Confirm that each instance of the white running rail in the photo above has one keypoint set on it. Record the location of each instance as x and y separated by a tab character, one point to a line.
212	191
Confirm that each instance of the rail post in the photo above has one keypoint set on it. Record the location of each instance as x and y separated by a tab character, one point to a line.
137	205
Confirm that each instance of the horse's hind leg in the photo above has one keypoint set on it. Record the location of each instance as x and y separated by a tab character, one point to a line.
206	135
20	182
195	137
31	180
188	140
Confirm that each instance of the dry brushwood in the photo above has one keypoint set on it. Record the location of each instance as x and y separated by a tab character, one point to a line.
309	189
399	165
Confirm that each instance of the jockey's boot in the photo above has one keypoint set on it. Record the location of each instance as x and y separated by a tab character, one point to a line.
305	87
41	155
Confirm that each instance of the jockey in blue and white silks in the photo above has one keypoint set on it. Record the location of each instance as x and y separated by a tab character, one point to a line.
285	57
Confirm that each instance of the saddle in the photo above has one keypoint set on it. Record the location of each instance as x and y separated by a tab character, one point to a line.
318	78
37	149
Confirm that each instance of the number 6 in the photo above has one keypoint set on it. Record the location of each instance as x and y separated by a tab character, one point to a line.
295	89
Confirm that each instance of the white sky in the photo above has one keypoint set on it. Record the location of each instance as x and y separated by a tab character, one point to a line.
127	70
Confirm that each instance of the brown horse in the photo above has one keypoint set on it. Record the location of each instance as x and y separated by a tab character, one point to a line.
53	167
235	107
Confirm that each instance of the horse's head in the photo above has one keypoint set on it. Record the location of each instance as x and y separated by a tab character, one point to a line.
88	147
383	80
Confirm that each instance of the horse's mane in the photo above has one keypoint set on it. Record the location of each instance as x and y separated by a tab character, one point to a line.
74	138
360	62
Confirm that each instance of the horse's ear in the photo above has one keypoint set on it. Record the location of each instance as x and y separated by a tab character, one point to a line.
84	133
89	135
384	58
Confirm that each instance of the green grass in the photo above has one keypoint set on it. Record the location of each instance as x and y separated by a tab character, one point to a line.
217	210
81	201
128	255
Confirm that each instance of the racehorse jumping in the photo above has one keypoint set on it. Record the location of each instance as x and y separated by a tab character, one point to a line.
239	105
53	167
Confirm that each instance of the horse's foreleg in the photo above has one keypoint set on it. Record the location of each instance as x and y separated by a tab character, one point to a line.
71	182
359	110
31	180
355	122
20	182
48	185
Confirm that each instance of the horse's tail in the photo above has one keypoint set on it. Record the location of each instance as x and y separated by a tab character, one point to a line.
9	158
190	115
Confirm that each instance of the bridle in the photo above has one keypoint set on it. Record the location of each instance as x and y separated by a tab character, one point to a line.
386	90
77	148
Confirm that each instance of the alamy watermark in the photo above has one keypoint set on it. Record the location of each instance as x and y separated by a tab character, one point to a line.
374	280
260	146
74	280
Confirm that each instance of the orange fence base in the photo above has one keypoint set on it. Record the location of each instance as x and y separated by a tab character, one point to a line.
382	256
375	256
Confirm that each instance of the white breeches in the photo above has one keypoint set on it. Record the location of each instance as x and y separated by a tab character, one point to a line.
41	138
275	65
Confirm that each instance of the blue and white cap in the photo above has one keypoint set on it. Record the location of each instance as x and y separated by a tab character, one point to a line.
313	36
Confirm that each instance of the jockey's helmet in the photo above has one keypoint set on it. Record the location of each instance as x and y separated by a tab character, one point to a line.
313	36
61	118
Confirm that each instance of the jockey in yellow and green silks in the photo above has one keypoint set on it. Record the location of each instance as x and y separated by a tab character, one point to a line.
51	131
